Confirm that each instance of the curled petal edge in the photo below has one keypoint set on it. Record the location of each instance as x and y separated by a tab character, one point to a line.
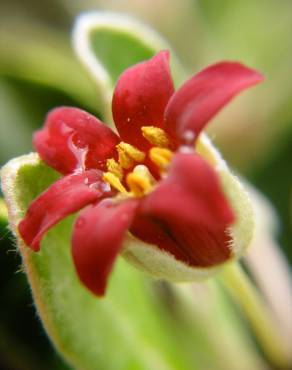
66	196
204	95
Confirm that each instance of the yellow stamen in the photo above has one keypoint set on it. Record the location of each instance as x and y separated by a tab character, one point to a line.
114	181
156	136
128	155
114	167
160	156
140	181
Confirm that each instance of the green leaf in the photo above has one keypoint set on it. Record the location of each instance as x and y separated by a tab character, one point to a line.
36	54
126	330
108	43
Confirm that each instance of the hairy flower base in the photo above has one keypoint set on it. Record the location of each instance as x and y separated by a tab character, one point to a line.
151	180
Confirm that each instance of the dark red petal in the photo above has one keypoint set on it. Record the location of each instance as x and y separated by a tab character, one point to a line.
97	240
201	97
183	241
190	206
150	231
73	138
140	98
65	196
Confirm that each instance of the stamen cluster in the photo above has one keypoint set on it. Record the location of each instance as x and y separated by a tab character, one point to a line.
140	181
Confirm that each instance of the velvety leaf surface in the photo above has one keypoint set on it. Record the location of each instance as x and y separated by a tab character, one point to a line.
126	330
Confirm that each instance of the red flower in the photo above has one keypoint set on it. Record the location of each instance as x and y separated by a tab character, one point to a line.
148	180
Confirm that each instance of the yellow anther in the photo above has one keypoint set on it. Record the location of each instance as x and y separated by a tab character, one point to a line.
140	181
156	136
160	156
114	167
114	181
143	170
128	155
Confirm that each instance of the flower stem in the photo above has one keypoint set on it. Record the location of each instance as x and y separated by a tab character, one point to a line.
254	307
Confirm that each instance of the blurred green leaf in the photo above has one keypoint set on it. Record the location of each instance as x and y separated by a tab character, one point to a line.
15	137
24	105
249	31
35	53
278	189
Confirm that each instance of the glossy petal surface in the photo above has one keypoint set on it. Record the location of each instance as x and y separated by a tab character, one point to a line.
72	139
140	97
201	97
190	207
64	197
97	239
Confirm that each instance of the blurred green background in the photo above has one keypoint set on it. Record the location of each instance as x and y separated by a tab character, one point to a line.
38	71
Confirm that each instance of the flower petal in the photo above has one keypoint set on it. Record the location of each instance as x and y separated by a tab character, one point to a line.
140	98
64	197
201	97
190	206
72	139
151	232
97	239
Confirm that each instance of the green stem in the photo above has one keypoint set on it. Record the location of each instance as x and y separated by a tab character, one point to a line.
254	307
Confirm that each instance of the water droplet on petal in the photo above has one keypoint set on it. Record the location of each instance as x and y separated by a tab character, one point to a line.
186	149
101	187
105	187
189	137
79	148
65	129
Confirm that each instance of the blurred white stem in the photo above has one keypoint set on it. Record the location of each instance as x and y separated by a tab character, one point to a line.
267	265
271	272
256	311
